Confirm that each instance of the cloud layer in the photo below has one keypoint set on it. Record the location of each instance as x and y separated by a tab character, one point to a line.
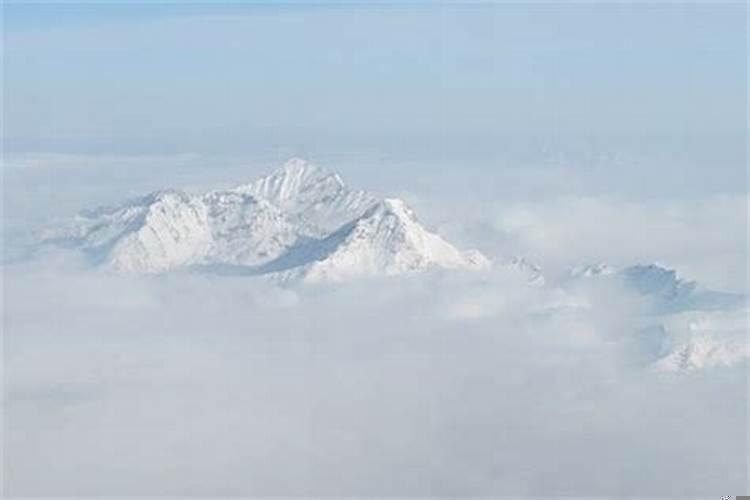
447	384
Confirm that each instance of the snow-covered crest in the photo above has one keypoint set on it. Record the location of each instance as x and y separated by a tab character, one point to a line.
386	240
316	198
301	219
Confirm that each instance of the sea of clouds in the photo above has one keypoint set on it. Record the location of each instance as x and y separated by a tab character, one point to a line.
443	384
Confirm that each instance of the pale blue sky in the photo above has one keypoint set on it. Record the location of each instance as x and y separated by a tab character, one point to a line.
648	98
168	77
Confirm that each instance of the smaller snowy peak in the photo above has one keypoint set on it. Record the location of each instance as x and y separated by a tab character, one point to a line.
646	279
177	230
386	240
703	352
687	327
705	339
169	229
653	279
99	227
663	286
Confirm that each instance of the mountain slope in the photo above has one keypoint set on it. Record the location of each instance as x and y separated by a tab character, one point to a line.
153	233
172	231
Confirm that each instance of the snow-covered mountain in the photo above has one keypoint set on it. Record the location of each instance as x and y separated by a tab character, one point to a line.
691	327
663	286
300	222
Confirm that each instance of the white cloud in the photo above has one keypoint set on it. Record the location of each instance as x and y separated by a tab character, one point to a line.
704	238
224	386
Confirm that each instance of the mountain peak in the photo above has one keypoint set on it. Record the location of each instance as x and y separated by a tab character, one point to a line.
297	177
657	280
399	207
386	240
652	280
300	165
316	198
393	207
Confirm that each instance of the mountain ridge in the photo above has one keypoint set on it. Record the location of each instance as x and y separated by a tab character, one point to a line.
299	216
